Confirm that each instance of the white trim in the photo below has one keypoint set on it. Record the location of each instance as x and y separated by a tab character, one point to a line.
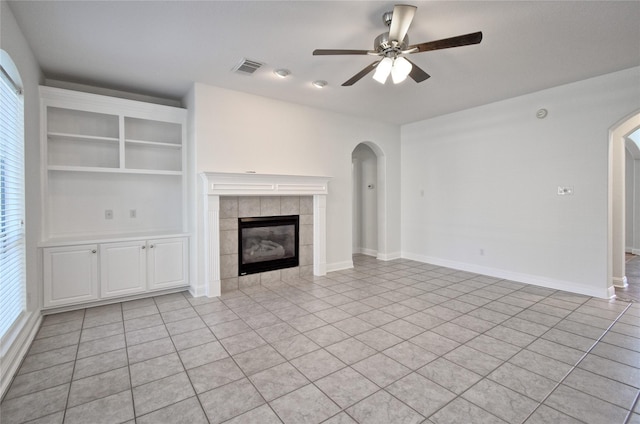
365	251
233	184
389	256
620	282
612	292
17	348
319	234
213	286
635	251
339	266
615	200
537	280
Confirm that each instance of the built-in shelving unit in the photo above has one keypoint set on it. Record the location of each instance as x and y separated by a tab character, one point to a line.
113	171
103	154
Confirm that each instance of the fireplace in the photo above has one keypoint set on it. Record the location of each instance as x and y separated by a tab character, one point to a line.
268	243
229	196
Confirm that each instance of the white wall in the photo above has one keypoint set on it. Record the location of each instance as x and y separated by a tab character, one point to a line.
489	178
238	132
13	42
365	165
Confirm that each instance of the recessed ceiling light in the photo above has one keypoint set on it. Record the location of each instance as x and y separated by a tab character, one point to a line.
319	83
282	73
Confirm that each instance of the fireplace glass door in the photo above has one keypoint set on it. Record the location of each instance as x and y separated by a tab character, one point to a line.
267	243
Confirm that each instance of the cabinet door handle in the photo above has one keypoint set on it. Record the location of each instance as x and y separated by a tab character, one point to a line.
151	246
94	251
143	247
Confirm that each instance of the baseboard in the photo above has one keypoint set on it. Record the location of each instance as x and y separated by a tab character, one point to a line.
536	280
338	266
635	251
389	256
17	349
612	292
620	282
365	251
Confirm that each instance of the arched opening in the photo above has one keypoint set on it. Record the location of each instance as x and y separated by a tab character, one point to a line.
368	182
618	199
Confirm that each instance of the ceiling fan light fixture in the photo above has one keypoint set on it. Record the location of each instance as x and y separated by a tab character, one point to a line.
400	70
383	70
282	73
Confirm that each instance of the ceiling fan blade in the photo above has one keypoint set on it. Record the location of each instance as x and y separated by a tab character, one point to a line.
400	21
325	52
446	43
417	74
357	77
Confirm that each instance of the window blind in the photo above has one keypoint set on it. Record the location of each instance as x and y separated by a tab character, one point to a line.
12	235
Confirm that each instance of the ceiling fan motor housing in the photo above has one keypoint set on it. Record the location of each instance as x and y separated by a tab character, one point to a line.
383	45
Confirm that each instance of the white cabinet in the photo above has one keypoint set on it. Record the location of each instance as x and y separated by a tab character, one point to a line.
127	268
139	266
167	263
70	274
123	268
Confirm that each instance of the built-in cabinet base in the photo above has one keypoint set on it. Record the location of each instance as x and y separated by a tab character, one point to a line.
84	273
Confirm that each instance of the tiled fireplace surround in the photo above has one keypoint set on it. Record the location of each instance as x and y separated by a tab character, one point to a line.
234	207
228	196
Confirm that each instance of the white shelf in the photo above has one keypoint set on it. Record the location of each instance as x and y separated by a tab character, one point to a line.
111	170
80	137
102	154
108	238
154	144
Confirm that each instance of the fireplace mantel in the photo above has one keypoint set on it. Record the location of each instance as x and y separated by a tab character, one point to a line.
214	185
248	184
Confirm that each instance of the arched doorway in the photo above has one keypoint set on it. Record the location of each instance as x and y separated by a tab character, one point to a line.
369	191
617	202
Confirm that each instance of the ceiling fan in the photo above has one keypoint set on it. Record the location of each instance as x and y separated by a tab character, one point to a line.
393	46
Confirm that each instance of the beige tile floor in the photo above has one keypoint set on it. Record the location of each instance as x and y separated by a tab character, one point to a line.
386	342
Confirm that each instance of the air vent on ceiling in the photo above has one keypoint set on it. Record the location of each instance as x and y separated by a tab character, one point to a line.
247	67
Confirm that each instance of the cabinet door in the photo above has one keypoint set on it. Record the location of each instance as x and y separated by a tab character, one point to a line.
122	268
167	265
70	275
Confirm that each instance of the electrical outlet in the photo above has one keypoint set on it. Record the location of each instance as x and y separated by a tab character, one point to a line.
132	213
108	214
565	191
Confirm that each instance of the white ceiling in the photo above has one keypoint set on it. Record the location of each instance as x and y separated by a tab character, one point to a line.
160	48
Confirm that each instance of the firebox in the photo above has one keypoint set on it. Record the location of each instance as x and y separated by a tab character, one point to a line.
267	243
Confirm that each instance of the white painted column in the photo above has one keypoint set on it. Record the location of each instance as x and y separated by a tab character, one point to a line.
213	286
319	234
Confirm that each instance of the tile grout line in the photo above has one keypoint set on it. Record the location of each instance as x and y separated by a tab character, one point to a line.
246	376
579	361
126	352
627	419
181	362
75	359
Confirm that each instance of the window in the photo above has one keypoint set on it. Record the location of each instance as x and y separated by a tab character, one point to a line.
12	236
